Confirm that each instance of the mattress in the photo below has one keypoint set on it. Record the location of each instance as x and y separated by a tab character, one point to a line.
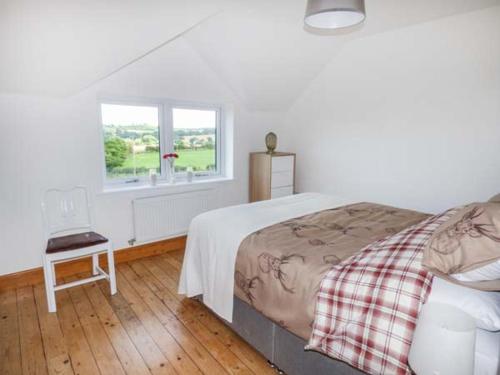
279	268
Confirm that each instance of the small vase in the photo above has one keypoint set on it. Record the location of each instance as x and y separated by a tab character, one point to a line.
153	177
189	174
171	174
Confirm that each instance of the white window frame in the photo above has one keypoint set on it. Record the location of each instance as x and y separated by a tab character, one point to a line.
166	141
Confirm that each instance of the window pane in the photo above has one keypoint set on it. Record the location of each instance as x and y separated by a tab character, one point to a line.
131	140
195	139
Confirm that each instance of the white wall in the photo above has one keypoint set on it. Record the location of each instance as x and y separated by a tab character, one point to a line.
56	142
409	118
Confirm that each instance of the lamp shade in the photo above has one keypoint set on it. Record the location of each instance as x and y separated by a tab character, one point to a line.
334	14
443	342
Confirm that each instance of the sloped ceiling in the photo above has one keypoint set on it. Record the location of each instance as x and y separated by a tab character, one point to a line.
264	54
58	47
259	48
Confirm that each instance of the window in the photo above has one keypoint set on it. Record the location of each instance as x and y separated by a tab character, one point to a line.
136	135
131	140
195	139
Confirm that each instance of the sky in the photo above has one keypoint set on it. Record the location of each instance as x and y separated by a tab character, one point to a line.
117	114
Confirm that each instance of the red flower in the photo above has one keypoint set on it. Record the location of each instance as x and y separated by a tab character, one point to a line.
171	155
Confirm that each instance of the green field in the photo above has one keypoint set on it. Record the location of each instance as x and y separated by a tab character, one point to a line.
199	160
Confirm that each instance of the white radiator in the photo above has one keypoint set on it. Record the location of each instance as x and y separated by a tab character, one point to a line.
168	215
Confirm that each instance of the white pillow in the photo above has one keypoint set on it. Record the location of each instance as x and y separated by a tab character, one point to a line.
486	273
482	306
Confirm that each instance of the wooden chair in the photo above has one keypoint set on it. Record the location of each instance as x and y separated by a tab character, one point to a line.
69	235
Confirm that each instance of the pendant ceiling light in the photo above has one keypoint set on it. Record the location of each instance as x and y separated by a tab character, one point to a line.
334	14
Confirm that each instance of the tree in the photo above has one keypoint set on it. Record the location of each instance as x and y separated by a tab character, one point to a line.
179	145
116	152
192	141
209	144
149	139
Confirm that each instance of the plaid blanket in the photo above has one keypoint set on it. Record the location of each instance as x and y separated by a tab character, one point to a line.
367	306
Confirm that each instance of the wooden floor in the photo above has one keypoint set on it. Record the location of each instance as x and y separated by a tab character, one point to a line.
146	328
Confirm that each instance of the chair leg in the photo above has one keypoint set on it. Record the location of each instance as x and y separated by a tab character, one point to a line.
111	269
54	275
49	284
95	264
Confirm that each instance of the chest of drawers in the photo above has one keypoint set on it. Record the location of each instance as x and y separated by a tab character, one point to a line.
271	175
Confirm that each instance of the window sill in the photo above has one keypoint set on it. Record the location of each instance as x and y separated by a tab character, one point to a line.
180	186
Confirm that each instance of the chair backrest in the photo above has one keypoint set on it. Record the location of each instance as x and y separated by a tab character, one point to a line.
66	211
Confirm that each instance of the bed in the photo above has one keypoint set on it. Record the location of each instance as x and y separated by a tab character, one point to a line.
260	268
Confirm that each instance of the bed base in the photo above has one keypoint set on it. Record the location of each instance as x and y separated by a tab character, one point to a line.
283	350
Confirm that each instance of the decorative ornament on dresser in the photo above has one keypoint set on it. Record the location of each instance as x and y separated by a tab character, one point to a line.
271	142
171	162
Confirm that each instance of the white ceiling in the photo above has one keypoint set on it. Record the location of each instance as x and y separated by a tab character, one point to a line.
259	48
266	57
59	47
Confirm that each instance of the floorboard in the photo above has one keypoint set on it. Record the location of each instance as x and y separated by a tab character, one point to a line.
181	362
79	350
146	328
10	347
217	349
101	346
153	357
32	354
56	352
169	276
200	356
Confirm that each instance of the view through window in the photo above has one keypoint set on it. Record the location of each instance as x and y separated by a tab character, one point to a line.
136	137
195	138
131	140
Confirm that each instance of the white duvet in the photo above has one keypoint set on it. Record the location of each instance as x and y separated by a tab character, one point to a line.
214	238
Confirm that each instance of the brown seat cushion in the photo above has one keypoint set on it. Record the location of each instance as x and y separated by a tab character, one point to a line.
74	241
